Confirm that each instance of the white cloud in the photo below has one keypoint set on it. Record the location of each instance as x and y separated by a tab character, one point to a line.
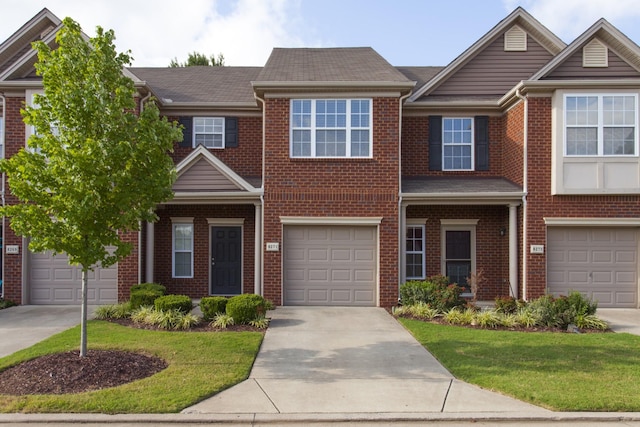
570	18
156	31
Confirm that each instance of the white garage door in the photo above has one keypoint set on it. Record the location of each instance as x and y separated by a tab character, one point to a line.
330	265
602	263
53	281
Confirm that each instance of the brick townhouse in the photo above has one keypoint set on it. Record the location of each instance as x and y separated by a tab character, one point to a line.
329	176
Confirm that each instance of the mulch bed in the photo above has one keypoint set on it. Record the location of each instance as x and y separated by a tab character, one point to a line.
63	373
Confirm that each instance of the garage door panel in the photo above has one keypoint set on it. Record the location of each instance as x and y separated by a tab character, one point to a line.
338	268
601	263
51	280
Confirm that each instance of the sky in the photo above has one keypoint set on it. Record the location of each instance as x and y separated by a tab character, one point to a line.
404	32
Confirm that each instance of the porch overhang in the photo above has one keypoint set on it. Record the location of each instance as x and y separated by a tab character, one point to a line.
460	190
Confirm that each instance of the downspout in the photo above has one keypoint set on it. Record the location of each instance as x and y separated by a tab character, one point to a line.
142	101
402	229
525	132
2	154
259	253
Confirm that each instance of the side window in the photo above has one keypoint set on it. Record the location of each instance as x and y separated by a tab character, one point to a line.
182	247
415	252
458	143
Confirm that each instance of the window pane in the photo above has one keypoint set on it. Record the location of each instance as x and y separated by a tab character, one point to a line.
582	141
458	245
183	264
458	272
619	141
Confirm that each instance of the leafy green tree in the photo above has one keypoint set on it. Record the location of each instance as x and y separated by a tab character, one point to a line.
196	58
94	168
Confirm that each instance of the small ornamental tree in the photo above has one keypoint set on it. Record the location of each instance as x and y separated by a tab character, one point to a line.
93	167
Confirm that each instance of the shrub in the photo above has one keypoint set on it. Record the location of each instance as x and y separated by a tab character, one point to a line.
145	294
222	320
436	291
181	303
246	307
527	318
423	311
487	319
591	321
260	323
507	305
170	319
113	311
456	316
211	306
5	303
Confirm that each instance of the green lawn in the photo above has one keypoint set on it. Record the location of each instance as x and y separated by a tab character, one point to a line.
200	364
559	371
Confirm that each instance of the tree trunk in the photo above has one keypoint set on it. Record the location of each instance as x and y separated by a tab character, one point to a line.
83	321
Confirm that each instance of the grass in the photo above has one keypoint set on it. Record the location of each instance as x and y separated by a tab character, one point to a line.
558	371
201	364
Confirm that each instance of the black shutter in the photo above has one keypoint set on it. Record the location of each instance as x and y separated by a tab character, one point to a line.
435	143
482	143
231	132
187	131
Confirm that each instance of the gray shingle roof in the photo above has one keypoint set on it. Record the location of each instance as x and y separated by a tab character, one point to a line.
201	84
354	64
467	185
421	75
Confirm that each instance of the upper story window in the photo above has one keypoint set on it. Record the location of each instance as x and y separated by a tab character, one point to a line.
331	128
457	143
601	125
208	131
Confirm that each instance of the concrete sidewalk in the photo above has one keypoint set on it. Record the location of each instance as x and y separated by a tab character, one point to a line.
327	360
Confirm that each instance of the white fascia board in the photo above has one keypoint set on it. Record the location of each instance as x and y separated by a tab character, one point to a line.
305	220
592	222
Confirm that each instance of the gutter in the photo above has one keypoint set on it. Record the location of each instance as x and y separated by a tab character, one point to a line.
142	101
525	190
259	253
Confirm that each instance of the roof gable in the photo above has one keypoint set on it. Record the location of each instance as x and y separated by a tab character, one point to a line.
17	56
484	51
201	171
623	56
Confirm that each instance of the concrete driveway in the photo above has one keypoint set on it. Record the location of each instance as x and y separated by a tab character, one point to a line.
25	325
621	319
349	360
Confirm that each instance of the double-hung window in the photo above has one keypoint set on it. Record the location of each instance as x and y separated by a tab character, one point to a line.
182	236
331	128
209	131
457	143
415	255
601	125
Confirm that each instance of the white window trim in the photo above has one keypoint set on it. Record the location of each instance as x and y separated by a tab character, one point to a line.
423	253
194	144
600	125
348	128
472	144
181	221
457	225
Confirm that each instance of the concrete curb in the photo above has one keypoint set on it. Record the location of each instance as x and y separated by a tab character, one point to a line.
387	418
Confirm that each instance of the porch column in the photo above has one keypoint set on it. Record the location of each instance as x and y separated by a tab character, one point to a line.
513	250
149	252
257	274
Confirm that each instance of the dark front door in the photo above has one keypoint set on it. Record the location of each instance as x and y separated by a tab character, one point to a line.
226	260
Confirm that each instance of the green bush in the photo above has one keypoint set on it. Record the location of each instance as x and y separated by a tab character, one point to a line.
5	303
246	307
170	319
507	305
113	311
145	294
210	306
181	303
436	291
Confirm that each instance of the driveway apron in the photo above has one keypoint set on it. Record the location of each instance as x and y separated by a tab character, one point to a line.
348	360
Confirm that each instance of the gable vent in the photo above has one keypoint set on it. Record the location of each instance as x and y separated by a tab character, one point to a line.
595	54
515	40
